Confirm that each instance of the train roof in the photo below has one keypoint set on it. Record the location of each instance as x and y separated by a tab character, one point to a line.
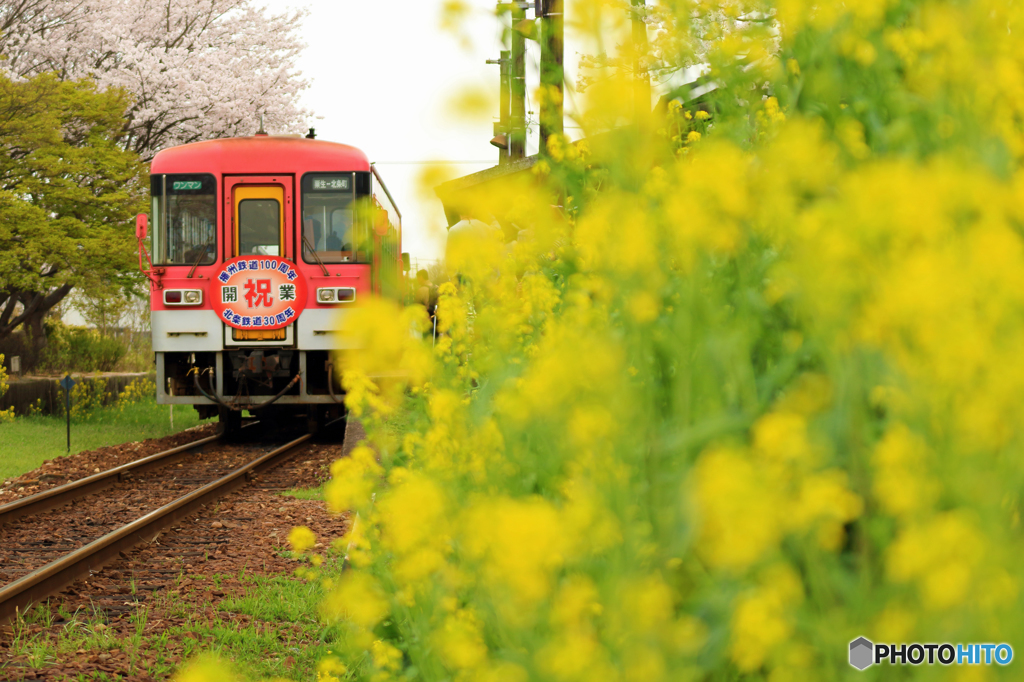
260	154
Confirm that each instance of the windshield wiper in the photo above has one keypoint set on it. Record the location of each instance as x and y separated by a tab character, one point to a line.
202	255
305	240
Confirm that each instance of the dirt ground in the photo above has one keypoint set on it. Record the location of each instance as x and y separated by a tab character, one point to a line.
240	539
61	470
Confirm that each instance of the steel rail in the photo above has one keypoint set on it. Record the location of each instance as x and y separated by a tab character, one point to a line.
56	575
64	494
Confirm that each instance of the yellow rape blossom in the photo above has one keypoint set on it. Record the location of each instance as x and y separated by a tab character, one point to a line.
357	599
461	642
206	669
762	619
301	539
353	480
739	515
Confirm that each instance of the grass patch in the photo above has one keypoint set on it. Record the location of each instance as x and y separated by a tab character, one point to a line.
277	598
287	637
316	493
27	442
272	630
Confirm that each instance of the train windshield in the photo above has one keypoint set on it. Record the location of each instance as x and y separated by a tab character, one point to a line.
329	227
184	219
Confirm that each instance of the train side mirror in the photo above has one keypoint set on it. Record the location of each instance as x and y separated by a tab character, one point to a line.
406	263
141	226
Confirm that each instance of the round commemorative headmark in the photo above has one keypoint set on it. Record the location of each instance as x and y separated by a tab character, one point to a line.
258	292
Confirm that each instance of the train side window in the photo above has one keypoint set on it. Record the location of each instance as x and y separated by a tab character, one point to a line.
184	219
259	227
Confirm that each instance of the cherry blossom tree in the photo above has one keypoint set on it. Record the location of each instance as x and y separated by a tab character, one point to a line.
196	69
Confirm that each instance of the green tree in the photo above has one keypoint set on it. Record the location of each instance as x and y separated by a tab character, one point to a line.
68	191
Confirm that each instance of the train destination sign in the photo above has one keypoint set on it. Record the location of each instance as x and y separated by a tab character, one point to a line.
258	292
340	183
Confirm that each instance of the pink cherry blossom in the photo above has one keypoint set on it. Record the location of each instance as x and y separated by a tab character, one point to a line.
197	69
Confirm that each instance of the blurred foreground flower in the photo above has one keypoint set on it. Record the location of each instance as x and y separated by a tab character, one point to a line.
724	389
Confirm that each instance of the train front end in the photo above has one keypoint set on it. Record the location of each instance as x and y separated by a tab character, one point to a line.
260	246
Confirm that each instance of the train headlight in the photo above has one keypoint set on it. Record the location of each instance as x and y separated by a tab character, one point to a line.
180	297
336	295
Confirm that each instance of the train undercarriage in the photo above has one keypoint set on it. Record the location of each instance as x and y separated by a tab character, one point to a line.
271	383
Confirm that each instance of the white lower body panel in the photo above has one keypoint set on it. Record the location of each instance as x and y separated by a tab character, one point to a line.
186	331
324	329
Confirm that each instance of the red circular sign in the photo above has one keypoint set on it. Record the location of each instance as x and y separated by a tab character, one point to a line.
258	292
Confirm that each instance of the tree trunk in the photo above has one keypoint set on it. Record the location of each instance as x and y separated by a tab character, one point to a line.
36	307
38	332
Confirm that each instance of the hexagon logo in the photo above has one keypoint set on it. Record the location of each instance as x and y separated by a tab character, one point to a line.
861	653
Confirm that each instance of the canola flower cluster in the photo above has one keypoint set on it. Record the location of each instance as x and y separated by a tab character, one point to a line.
8	414
136	391
89	395
752	394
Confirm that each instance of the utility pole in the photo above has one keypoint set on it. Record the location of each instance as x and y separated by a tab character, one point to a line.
552	46
641	77
504	122
502	131
517	142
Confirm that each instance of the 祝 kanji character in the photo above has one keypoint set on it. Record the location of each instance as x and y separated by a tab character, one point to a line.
286	292
258	293
229	294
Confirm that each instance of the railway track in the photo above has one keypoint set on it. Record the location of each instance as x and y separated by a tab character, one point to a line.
51	539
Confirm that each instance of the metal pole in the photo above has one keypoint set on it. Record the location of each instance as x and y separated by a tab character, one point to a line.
551	73
67	383
517	139
67	413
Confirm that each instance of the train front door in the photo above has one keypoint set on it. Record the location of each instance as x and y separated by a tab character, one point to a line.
260	222
260	216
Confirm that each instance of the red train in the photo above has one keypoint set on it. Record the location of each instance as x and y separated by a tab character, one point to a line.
258	247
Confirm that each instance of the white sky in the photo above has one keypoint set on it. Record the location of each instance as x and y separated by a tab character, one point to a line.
384	75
